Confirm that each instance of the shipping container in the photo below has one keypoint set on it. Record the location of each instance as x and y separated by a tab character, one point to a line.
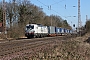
51	31
57	30
62	30
68	31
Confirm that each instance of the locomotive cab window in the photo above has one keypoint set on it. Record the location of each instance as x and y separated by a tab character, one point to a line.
30	27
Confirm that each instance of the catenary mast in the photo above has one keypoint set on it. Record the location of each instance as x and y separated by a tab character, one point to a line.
79	16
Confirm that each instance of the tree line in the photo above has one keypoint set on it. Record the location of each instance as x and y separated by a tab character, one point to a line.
87	25
22	12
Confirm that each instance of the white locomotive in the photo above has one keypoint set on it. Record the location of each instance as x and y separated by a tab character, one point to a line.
36	30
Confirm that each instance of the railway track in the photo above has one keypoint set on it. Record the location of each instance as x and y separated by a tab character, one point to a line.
9	49
15	48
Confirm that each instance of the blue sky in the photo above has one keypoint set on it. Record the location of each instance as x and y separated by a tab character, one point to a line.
58	8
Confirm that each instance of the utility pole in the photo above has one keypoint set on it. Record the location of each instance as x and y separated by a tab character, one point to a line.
4	18
51	16
49	8
86	21
79	16
79	19
86	18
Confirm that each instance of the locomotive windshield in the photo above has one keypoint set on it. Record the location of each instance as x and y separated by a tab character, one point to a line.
30	27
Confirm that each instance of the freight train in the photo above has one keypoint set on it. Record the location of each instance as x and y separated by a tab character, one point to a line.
38	30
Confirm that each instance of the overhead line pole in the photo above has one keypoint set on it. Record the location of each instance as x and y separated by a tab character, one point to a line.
79	16
4	18
51	16
86	18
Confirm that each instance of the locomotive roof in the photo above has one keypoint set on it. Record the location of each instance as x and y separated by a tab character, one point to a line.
34	24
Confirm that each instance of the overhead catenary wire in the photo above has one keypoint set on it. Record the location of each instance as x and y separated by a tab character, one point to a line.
57	2
50	8
42	3
65	7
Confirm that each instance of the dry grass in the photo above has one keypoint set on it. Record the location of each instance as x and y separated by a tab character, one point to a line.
72	49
